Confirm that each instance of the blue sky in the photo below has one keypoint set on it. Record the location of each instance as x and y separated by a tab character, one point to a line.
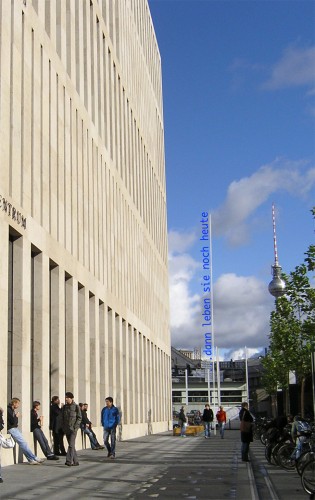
239	116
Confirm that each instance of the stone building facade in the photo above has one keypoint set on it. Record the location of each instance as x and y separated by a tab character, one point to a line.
83	272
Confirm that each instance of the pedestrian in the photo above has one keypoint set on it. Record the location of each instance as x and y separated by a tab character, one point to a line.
86	427
36	429
207	418
13	422
55	426
246	429
301	431
1	427
221	419
182	421
110	419
70	423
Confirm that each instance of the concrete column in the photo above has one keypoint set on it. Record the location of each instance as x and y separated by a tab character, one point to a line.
4	271
72	365
102	352
21	359
126	372
83	346
111	352
41	333
94	370
138	401
132	364
119	363
57	333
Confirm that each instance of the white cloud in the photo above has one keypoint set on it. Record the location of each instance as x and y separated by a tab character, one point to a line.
244	196
182	268
241	307
179	242
241	353
295	68
242	311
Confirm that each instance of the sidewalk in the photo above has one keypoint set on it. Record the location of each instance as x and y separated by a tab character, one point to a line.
157	466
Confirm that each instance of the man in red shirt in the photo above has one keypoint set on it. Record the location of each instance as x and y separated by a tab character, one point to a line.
221	418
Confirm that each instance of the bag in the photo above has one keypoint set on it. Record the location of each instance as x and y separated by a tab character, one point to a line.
6	442
245	426
303	427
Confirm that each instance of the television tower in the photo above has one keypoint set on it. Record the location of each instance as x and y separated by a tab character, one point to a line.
276	286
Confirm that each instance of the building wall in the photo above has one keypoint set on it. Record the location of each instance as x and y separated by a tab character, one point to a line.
83	269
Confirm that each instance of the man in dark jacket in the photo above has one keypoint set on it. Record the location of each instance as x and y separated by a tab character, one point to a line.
70	423
110	419
55	426
207	419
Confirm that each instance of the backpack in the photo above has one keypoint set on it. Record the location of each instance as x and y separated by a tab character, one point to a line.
303	427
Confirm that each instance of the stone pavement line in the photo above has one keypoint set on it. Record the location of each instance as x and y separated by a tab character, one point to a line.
273	482
252	484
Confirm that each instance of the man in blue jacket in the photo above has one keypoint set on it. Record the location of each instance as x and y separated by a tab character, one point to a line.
110	419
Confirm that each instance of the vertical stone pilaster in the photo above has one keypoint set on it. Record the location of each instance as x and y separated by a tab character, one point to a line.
102	351
126	372
97	399
83	346
57	333
119	361
136	362
111	352
4	278
92	350
71	296
41	332
21	359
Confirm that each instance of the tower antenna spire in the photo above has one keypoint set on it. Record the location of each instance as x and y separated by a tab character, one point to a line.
274	235
277	285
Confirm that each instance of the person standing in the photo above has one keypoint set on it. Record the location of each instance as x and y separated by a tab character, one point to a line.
12	425
55	426
246	429
110	419
207	419
221	418
70	422
36	429
182	421
1	427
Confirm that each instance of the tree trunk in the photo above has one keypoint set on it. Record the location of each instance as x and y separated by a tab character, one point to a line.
302	396
274	406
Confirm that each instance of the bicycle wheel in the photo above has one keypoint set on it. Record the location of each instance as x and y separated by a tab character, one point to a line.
302	460
275	451
284	456
268	454
308	477
257	431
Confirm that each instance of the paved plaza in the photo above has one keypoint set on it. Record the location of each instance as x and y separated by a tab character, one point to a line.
158	466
